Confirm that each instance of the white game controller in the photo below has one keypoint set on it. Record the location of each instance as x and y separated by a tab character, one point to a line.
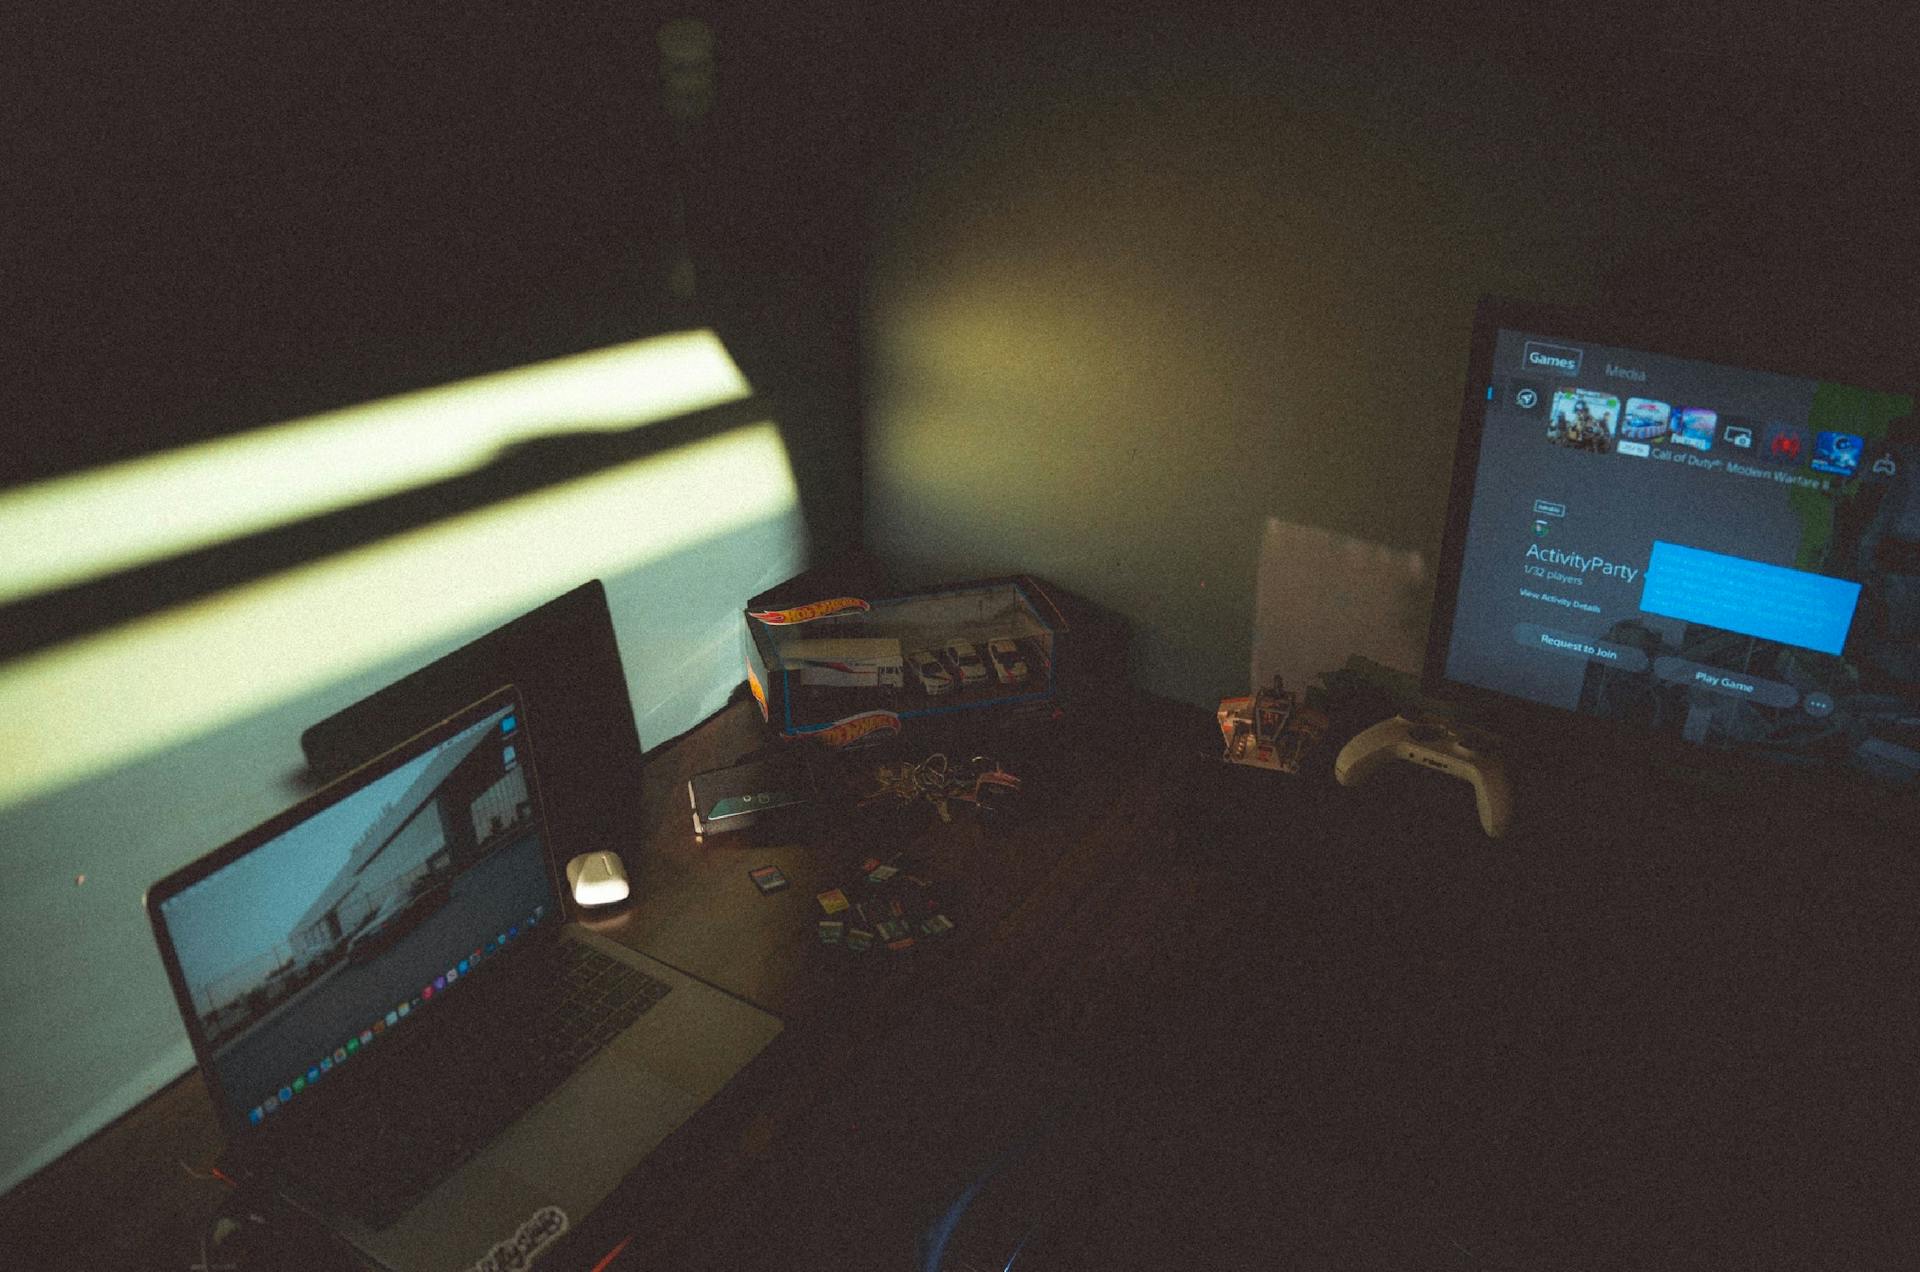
1462	752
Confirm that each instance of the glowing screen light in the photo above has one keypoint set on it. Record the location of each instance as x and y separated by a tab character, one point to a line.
81	709
75	528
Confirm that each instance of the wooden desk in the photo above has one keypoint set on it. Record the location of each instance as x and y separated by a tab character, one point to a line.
1292	1025
138	1194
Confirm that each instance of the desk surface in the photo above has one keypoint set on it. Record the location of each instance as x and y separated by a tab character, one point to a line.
1286	1022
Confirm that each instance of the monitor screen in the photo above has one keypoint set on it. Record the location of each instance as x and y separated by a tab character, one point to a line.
1720	555
307	941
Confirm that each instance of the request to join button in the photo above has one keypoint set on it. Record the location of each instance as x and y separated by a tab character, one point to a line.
1549	641
1735	684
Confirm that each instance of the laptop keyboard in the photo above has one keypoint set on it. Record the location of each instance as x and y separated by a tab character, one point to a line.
439	1118
603	997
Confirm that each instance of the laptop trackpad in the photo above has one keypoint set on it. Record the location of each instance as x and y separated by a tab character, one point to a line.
568	1152
597	1126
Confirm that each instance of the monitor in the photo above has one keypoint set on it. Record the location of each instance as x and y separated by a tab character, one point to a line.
1677	547
565	659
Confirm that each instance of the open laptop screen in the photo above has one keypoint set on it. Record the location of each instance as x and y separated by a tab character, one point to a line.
310	939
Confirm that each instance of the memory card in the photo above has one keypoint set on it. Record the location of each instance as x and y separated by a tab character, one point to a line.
767	878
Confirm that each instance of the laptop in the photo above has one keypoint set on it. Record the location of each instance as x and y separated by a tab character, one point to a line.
403	1034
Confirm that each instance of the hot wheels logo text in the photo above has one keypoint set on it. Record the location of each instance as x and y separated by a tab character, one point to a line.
807	613
859	729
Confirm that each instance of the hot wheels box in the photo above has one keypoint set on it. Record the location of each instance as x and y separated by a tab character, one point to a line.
846	669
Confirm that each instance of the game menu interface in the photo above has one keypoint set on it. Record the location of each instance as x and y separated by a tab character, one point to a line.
1728	556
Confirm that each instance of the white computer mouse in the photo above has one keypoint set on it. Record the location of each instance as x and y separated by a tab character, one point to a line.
597	878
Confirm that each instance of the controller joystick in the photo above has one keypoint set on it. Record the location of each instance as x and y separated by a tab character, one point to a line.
1465	753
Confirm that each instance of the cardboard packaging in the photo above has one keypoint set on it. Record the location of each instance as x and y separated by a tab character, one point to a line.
846	669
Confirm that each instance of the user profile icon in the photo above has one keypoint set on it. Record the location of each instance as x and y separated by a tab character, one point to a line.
1526	396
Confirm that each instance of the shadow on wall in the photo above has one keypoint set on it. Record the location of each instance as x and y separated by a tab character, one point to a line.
99	548
362	570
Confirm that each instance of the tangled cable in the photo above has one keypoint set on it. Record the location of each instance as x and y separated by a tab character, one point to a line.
982	782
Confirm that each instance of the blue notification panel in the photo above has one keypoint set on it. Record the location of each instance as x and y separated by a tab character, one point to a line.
1753	598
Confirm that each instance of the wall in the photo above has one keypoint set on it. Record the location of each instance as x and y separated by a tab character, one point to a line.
1147	301
224	224
229	225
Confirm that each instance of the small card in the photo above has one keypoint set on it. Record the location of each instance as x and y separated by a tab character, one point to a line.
880	874
936	925
767	878
859	939
833	901
904	943
831	930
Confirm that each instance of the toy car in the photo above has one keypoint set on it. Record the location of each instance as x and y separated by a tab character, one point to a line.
933	674
966	660
1007	662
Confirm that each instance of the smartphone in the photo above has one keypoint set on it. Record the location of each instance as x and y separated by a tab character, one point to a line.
743	795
